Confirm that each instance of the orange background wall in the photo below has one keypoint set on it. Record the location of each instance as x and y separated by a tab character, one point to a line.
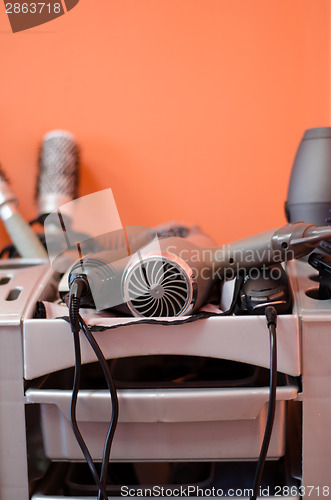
190	110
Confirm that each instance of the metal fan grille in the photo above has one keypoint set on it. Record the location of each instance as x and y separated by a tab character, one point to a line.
157	287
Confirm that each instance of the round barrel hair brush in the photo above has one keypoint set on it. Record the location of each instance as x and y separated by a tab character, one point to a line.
58	175
23	237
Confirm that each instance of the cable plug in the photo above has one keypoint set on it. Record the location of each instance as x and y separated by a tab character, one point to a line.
271	315
77	288
323	265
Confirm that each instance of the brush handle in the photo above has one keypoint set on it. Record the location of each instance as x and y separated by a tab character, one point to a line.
25	240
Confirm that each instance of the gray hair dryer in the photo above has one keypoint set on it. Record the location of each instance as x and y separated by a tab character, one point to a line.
309	193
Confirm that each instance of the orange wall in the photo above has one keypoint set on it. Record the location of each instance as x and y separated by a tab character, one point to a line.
189	110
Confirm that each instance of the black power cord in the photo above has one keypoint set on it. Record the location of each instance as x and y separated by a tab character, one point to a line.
77	323
271	317
73	419
77	288
114	401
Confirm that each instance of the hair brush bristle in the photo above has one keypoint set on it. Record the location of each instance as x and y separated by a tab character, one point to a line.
58	161
3	175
